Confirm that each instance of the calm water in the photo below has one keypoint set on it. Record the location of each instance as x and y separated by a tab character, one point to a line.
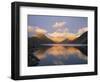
57	54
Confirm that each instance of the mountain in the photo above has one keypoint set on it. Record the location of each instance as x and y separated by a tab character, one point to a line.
82	39
65	41
35	41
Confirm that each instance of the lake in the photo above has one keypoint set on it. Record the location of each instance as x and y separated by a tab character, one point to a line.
58	54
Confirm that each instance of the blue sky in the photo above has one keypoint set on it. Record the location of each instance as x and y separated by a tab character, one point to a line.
73	24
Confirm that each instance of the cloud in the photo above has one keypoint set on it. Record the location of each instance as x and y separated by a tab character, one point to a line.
82	30
60	27
30	29
59	24
57	36
36	31
61	36
39	30
71	36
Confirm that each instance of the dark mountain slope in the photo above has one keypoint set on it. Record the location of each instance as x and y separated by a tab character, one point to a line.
82	39
35	41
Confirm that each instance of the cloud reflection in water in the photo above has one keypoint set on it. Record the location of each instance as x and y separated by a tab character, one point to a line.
59	55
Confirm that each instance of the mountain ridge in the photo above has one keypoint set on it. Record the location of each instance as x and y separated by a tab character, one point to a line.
34	41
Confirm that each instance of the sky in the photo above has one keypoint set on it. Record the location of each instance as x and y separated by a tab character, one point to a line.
46	22
57	26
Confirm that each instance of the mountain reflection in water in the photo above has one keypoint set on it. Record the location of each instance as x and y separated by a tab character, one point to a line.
57	55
